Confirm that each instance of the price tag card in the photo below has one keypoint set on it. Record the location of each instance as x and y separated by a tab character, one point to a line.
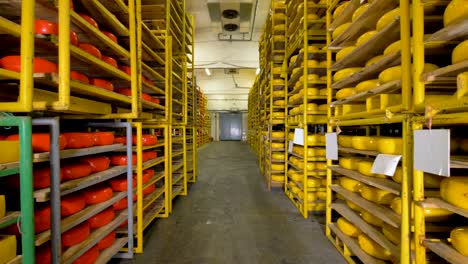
299	136
290	147
432	151
386	164
331	143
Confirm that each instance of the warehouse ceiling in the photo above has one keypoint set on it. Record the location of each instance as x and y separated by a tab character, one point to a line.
226	36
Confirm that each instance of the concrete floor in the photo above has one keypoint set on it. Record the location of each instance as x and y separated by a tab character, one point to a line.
230	217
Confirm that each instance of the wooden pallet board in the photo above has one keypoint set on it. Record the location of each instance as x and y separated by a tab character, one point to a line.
439	203
388	88
454	31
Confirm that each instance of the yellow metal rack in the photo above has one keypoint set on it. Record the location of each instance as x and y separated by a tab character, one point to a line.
253	132
368	217
305	70
440	101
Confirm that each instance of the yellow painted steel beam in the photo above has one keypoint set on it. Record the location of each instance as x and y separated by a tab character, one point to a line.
27	54
135	31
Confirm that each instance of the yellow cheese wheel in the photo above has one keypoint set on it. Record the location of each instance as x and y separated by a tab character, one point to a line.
353	206
374	60
364	143
430	214
277	70
345	92
344	52
292	60
313	182
324	107
372	248
342	74
279	38
311	196
376	195
280	93
312	63
322	195
277	145
391	233
390	74
277	167
279	17
459	54
2	206
388	18
365	167
459	239
312	92
365	37
312	107
311	17
359	11
315	139
323	91
395	46
278	156
430	180
316	206
277	134
345	141
390	145
455	11
367	85
371	219
350	184
279	102
350	163
277	178
7	248
340	9
281	27
340	29
278	82
454	190
278	114
323	64
346	227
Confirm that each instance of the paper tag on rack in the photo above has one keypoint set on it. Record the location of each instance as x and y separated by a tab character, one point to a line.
331	143
299	136
290	147
432	151
386	164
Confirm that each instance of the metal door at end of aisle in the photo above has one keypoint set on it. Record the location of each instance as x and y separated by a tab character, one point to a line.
230	126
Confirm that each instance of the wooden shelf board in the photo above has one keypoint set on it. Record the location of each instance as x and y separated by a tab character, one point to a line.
108	253
383	184
445	251
370	72
356	151
454	31
71	153
9	218
388	88
439	203
384	213
354	247
370	230
365	22
68	187
78	218
446	74
74	252
370	48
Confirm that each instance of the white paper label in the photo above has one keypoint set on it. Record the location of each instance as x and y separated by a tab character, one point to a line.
331	143
432	151
290	147
385	164
299	136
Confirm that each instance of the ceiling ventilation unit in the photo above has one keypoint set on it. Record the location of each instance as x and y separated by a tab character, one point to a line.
231	16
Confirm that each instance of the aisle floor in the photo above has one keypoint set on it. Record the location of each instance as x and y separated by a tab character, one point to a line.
230	217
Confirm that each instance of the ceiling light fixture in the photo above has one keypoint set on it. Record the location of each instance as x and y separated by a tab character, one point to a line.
207	71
